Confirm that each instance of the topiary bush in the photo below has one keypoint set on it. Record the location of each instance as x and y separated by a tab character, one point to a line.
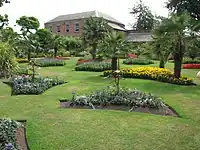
137	61
24	85
128	97
48	62
94	66
8	134
152	73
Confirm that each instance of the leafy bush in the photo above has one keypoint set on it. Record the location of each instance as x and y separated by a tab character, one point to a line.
22	60
25	85
137	61
152	73
128	97
191	66
8	62
8	134
47	62
22	71
94	66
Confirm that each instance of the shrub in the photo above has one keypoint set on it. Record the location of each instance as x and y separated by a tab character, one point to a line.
94	66
47	62
195	61
137	61
191	66
8	62
22	71
128	97
22	60
25	85
8	134
153	73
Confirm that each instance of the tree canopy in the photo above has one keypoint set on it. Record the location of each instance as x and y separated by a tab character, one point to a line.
144	17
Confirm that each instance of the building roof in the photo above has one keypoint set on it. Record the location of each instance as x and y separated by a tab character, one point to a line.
139	37
117	27
84	15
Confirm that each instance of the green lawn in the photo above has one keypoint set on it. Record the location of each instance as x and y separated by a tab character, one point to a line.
52	128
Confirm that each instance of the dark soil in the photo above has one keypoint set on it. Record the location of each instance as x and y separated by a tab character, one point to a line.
165	111
21	137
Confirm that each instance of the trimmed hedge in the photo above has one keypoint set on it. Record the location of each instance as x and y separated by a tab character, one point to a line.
48	62
152	73
137	61
94	66
195	61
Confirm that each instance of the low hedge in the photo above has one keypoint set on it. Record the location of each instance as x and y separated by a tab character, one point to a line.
137	61
195	61
94	66
48	62
22	60
152	73
191	66
23	85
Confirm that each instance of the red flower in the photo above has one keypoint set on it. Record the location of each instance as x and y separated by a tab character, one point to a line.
191	66
132	56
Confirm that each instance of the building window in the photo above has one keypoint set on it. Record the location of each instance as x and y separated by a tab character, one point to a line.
67	27
76	27
58	28
50	28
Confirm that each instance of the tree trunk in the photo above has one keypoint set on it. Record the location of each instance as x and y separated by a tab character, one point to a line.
55	51
162	63
94	51
29	54
177	66
114	64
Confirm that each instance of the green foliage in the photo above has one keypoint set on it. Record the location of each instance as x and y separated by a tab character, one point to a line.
47	62
190	61
8	134
128	97
137	61
152	73
181	6
23	85
94	31
144	16
94	66
7	60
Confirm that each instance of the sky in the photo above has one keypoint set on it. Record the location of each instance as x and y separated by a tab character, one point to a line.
46	10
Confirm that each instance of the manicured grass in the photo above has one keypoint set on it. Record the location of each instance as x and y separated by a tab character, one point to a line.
52	128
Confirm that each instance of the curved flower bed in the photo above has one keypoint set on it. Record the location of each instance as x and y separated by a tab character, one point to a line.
191	66
152	73
94	66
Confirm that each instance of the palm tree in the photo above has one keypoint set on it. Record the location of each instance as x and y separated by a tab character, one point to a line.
176	27
114	45
94	31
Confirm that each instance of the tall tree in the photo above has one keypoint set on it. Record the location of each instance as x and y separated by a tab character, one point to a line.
144	17
29	25
3	19
94	32
180	6
113	46
176	27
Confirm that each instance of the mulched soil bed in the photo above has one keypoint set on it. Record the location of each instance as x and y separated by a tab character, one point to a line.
165	111
21	136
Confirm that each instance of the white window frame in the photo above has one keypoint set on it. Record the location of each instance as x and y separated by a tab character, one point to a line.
67	24
58	26
75	27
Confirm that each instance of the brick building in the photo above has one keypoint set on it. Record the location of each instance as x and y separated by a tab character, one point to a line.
72	24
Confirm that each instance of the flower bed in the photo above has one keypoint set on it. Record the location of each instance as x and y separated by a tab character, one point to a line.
22	60
8	129
126	99
24	85
94	66
132	56
82	61
152	73
195	61
137	61
191	66
62	58
47	62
